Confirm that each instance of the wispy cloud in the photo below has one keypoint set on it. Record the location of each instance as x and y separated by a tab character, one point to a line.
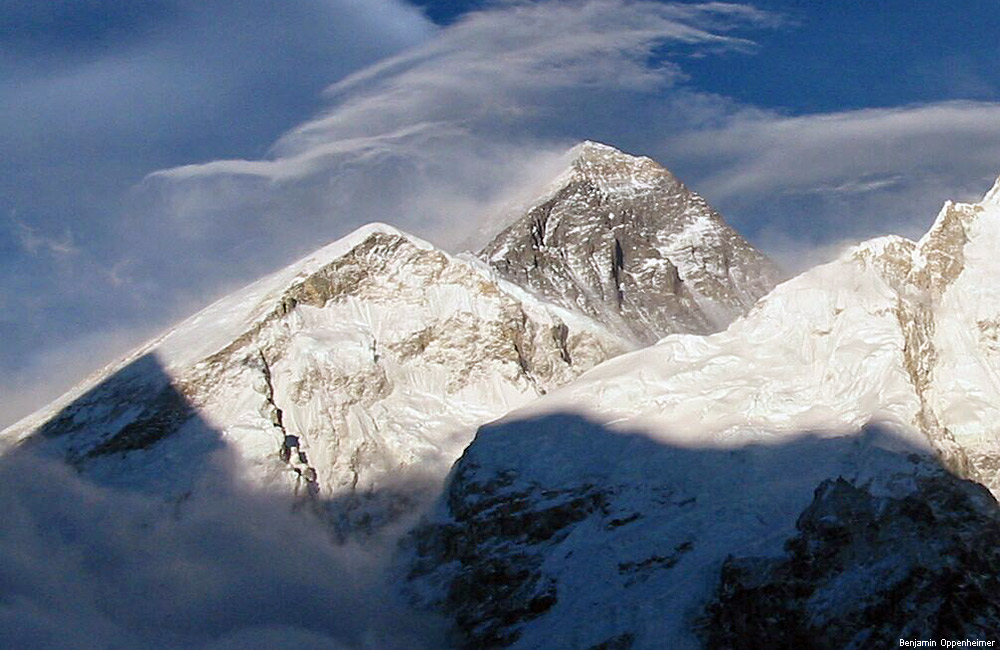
440	137
767	152
94	95
452	122
448	129
34	242
816	179
854	186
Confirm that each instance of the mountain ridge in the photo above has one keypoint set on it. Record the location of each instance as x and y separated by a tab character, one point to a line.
556	485
374	356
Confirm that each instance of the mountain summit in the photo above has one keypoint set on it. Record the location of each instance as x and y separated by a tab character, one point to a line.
620	239
825	459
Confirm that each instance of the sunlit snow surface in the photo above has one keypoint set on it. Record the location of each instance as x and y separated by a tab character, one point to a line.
966	378
826	352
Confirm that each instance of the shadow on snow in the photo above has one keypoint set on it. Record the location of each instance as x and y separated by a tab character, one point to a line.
559	532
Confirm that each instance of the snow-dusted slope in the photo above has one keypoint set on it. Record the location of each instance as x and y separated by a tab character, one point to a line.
355	373
602	513
618	238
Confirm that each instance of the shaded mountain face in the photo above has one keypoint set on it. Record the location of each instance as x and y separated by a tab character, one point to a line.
932	552
620	239
603	512
611	538
356	375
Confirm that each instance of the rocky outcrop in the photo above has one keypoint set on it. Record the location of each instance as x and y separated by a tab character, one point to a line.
497	541
865	571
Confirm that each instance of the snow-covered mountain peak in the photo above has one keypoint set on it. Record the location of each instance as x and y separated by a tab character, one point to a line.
218	325
372	360
892	256
614	171
791	365
379	353
941	251
871	372
593	149
958	222
881	246
620	239
591	153
344	244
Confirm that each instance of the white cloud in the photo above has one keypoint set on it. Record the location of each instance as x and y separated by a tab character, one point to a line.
436	139
96	94
440	138
765	152
34	242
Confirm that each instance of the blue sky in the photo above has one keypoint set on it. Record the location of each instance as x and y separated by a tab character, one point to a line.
840	55
158	154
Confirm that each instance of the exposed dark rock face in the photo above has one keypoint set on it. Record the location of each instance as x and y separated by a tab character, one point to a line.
865	571
164	415
621	240
499	539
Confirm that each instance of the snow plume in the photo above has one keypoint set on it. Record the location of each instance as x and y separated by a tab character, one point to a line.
86	566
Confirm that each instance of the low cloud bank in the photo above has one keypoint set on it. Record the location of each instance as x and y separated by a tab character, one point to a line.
84	566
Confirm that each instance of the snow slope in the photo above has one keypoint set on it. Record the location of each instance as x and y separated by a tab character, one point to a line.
357	375
959	269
